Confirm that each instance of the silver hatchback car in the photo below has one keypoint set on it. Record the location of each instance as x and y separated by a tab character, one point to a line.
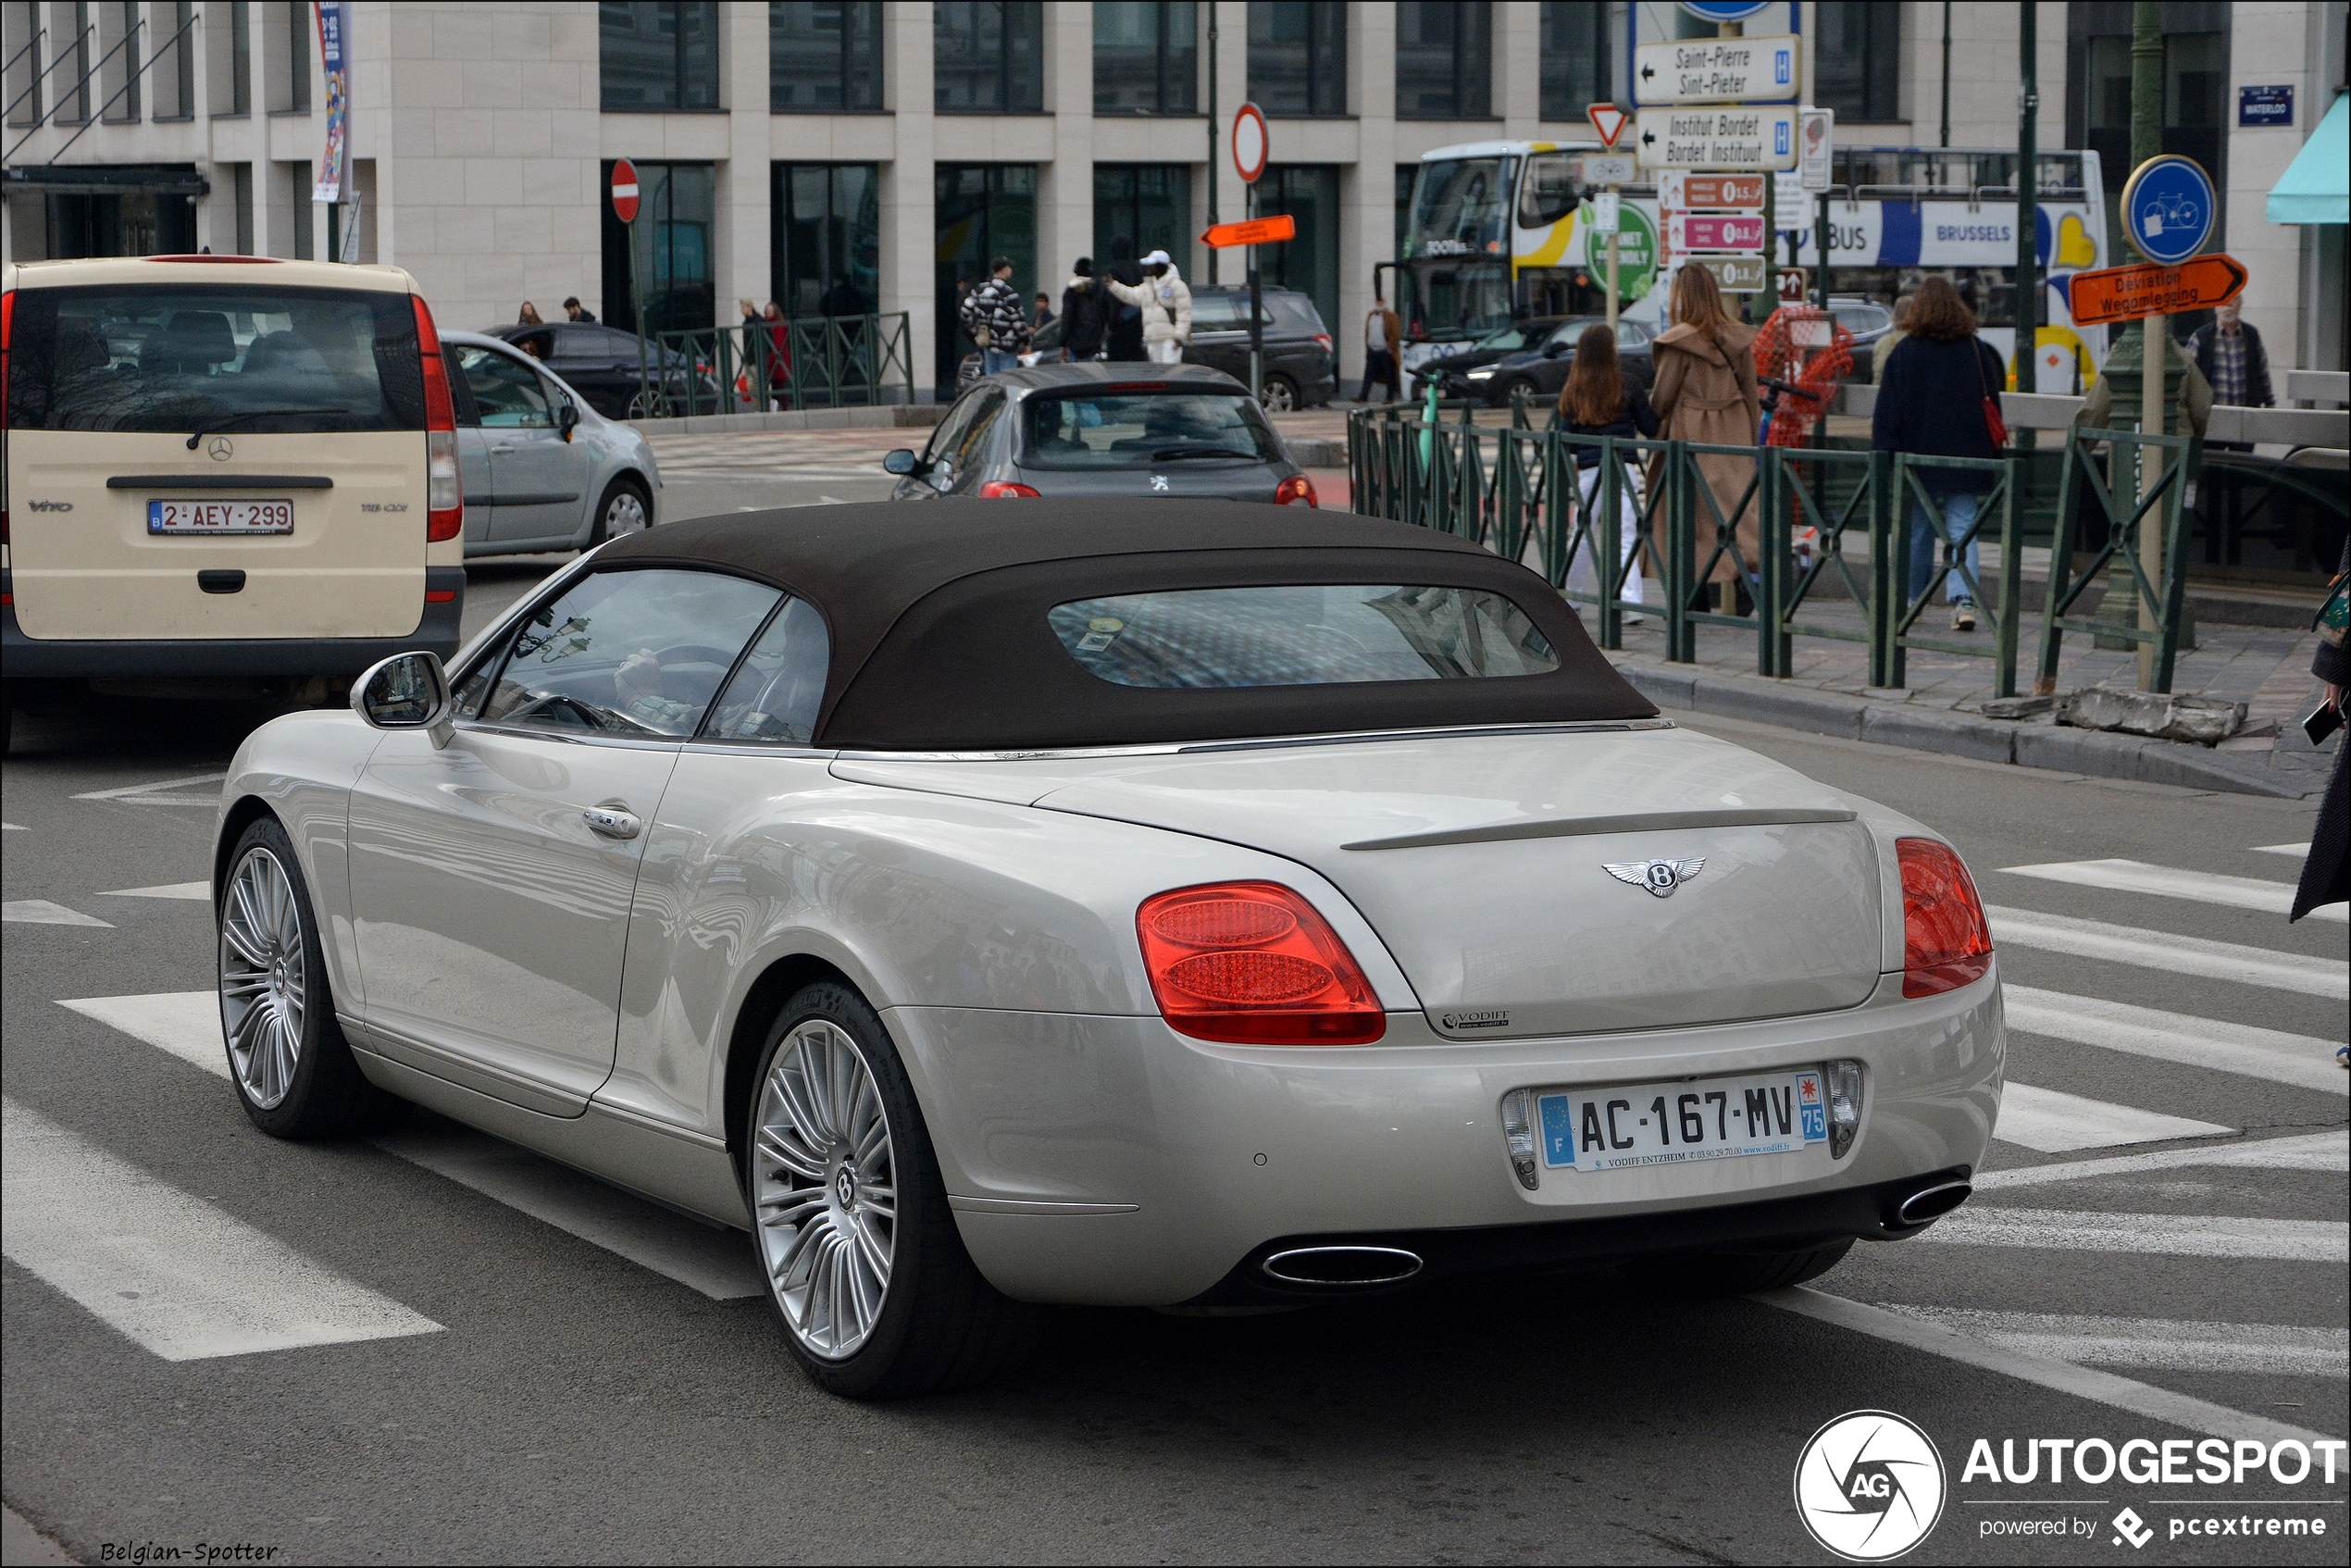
542	469
1104	429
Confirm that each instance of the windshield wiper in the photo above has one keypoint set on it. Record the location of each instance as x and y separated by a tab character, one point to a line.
1170	453
227	420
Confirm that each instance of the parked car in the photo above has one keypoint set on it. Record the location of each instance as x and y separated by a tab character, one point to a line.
1197	905
233	467
1868	321
1542	369
541	470
1448	369
1103	429
601	363
1300	370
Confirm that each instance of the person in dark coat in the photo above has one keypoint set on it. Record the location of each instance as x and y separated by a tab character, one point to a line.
1081	313
1599	400
2326	874
2227	350
1930	402
1122	324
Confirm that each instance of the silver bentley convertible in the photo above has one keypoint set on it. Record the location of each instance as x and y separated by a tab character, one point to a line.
1188	904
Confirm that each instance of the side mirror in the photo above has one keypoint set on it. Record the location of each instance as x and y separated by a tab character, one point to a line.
900	462
567	417
1552	351
405	691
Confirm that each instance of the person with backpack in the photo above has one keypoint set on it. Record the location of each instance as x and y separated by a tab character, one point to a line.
1082	303
1939	397
1122	321
993	317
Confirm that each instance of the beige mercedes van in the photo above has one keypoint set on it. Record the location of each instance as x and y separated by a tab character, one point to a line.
223	467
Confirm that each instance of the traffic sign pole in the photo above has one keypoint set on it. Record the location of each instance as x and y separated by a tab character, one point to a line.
1608	120
1251	148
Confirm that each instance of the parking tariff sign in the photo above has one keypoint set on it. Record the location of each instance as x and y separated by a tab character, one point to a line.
2168	207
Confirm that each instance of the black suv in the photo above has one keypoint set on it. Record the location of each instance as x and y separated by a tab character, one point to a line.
1301	368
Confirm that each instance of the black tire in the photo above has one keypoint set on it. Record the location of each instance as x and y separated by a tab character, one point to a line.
1279	394
941	1326
328	1096
1518	384
1737	1274
615	495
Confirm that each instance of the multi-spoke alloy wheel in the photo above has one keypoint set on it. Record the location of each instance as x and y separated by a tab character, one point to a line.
264	975
826	1182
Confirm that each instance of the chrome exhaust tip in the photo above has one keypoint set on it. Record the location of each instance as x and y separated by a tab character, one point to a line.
1931	1204
1341	1267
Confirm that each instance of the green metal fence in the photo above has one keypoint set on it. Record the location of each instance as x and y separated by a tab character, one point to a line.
1558	502
818	362
2145	539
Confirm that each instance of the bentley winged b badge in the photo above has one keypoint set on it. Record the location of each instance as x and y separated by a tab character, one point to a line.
1660	877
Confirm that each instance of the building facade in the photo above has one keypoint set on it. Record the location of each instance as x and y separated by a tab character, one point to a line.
848	156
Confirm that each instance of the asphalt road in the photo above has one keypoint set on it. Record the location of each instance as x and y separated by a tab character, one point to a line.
576	1397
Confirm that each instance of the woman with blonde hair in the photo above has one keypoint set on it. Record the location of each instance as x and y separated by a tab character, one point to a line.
1705	391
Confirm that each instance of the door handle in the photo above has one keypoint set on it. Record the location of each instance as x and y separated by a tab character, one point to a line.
502	450
613	822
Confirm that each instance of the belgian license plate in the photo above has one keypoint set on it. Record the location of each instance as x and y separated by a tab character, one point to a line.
220	516
1603	1129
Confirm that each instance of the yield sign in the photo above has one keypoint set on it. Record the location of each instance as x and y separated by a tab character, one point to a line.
624	191
1608	120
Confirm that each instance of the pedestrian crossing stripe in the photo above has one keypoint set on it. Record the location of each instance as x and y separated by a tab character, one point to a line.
195	892
2174	954
2163	882
2162	1344
2303	1061
2299	1151
2052	1122
2187	1236
40	912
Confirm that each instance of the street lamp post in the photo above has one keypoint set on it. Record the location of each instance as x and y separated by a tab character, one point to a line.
1211	136
2028	276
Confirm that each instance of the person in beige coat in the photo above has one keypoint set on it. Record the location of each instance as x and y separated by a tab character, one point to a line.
1705	391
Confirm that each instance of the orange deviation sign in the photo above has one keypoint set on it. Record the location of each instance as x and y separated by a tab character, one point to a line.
2127	293
1256	232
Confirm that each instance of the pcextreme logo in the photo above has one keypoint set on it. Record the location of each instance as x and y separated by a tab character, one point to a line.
1870	1485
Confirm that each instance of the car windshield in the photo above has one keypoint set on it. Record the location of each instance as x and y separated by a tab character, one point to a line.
1300	635
1513	337
212	357
1140	430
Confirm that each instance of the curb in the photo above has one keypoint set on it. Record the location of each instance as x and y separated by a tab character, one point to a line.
2097	754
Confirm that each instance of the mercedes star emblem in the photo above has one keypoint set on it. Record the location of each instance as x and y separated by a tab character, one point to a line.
221	449
1660	877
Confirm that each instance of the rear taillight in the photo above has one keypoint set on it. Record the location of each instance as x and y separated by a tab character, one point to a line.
1005	490
1252	964
445	488
1295	491
1946	942
1324	339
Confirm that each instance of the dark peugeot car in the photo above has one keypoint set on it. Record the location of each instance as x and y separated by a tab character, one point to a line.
1103	429
1301	369
1542	369
598	362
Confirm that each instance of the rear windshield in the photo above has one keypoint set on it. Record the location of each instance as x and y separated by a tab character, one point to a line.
213	356
1301	635
1143	431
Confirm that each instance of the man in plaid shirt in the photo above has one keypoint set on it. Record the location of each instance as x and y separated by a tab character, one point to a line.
2229	352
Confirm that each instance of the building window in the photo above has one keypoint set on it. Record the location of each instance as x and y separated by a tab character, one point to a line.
294	209
988	56
663	256
22	82
1146	57
298	35
175	78
1575	53
1147	204
1857	60
240	178
227	33
119	76
71	73
653	57
1310	263
824	57
2195	71
1407	177
983	211
1444	59
1298	56
824	240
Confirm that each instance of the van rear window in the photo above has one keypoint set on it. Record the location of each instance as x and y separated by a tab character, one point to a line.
212	358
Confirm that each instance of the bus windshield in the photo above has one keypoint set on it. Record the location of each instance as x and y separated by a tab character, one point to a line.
1448	300
1462	206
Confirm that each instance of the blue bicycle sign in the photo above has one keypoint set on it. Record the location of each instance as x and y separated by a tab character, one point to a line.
2168	207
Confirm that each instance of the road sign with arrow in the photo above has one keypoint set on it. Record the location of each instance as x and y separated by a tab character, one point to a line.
1719	70
2128	294
1742	137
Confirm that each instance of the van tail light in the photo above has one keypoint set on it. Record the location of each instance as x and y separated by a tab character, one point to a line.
1946	942
1005	490
444	488
1252	964
1294	490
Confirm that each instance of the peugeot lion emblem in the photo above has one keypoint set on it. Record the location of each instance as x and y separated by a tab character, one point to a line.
220	449
1159	482
1660	877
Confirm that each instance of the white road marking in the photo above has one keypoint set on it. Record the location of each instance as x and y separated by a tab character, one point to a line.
135	792
2055	1123
2152	1342
2205	886
40	912
2087	1382
13	827
2303	1151
2160	950
2296	851
170	1272
717	1264
195	892
2179	1236
2304	1061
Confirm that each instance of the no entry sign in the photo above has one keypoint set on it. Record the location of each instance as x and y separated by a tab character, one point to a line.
624	191
1251	144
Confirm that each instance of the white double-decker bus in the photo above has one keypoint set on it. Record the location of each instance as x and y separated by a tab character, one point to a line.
1496	233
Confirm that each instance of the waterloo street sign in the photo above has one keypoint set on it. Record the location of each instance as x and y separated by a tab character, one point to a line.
1745	137
1737	232
2127	293
1718	70
1678	191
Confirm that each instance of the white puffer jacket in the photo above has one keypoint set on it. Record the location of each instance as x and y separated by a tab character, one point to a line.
1166	302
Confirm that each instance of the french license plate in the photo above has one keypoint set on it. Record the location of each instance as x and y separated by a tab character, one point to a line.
1603	1129
220	516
